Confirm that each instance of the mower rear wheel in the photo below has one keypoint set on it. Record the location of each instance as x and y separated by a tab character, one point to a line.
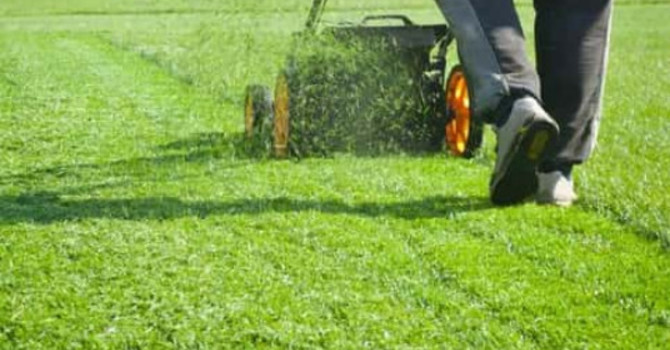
282	108
258	110
463	134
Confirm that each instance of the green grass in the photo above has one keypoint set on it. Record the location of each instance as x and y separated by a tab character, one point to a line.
130	218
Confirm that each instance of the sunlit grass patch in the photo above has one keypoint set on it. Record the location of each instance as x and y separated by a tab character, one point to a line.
132	217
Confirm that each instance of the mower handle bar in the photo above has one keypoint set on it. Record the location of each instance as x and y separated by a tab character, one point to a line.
403	18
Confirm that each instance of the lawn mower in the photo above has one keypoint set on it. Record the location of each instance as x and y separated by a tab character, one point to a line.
302	106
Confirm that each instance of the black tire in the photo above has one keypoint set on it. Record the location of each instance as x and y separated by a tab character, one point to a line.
436	105
258	111
461	143
476	140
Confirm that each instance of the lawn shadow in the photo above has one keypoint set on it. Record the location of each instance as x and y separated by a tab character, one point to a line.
198	148
46	208
57	206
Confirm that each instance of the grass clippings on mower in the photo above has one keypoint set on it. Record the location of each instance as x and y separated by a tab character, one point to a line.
357	95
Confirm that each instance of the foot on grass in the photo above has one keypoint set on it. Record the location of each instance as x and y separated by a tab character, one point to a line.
523	142
555	189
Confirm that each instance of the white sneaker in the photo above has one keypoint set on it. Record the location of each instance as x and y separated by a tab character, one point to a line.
523	142
555	189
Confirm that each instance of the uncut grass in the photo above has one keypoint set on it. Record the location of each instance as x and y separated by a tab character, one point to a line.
161	235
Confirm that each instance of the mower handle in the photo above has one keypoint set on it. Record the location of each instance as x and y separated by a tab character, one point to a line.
315	14
403	18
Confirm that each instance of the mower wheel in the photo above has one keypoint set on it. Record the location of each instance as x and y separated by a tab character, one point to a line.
464	135
282	114
258	110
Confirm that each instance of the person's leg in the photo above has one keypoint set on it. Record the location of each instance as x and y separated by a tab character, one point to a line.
572	38
491	45
505	90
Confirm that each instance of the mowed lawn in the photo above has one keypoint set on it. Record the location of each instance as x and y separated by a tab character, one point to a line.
132	218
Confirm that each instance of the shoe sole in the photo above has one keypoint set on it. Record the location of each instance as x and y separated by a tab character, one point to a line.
559	204
518	179
563	203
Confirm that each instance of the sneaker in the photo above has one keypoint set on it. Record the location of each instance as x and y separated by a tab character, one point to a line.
523	142
555	189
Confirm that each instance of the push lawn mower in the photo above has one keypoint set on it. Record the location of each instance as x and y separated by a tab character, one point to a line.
306	107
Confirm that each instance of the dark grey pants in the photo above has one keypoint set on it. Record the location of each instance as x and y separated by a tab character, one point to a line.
571	41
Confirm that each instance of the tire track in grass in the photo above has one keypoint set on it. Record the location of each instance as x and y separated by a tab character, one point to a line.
491	305
267	258
84	105
575	246
545	301
529	259
361	282
140	281
100	97
162	94
595	263
477	236
264	276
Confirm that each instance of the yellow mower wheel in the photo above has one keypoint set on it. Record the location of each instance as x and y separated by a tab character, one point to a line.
282	107
463	134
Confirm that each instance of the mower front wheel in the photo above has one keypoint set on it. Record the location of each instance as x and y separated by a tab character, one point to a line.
463	133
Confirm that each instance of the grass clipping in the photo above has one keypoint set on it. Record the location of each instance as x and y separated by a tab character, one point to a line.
360	95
